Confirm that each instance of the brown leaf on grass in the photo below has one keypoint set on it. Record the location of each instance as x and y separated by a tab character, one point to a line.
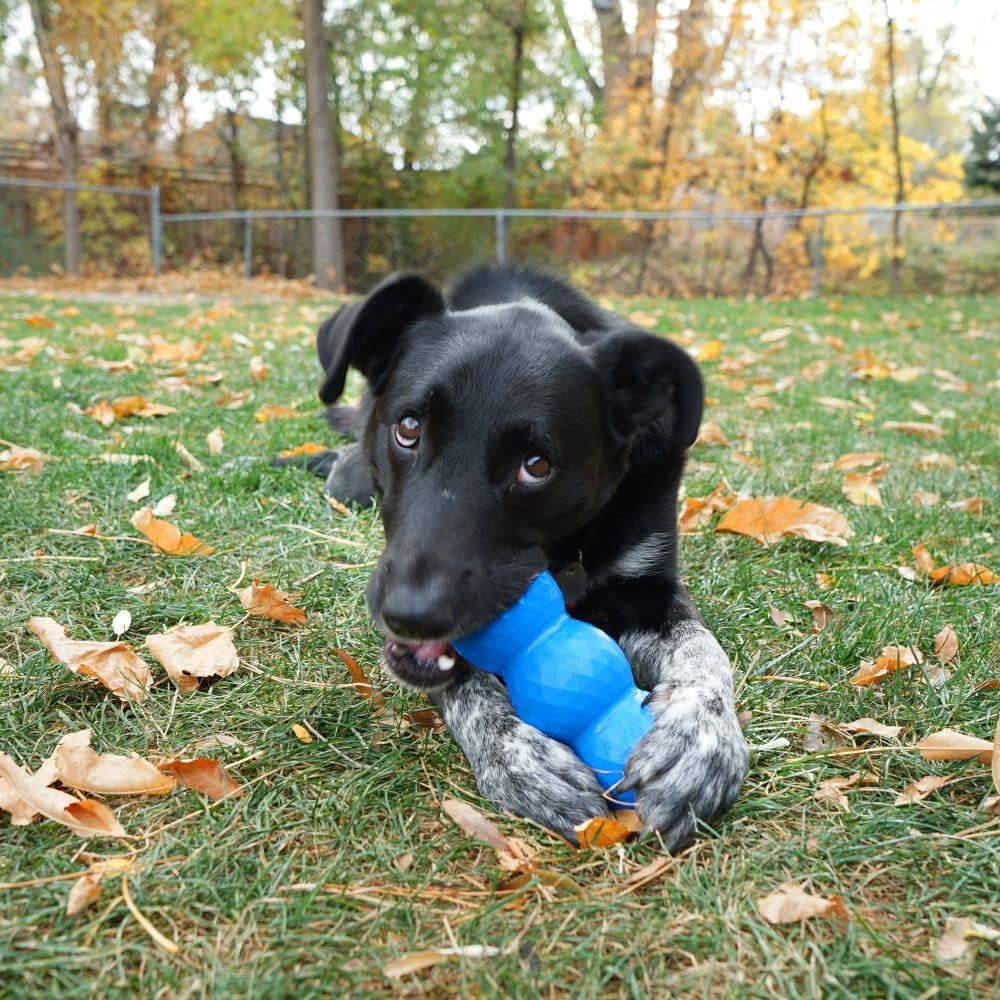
995	762
958	934
602	831
711	433
769	519
917	791
275	411
914	428
949	744
106	412
359	679
861	488
647	873
779	617
140	492
159	349
302	734
168	538
974	505
114	664
38	321
921	498
696	512
80	767
857	460
791	904
17	459
822	615
83	816
204	775
513	854
84	892
215	439
872	728
946	644
190	652
233	400
309	448
963	575
923	558
832	790
187	458
269	602
417	961
21	812
821	735
935	460
892	658
258	370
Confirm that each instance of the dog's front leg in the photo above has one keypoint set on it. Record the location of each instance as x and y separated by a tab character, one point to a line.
516	766
692	762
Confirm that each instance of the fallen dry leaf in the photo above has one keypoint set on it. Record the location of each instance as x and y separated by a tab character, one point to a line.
602	831
711	433
857	460
359	679
258	370
697	512
191	652
204	775
513	854
974	505
822	735
419	960
892	658
917	791
302	734
963	575
166	537
79	766
946	644
872	728
83	816
265	600
164	507
791	904
215	439
949	744
140	492
275	411
187	458
958	933
121	623
114	664
17	459
914	428
709	351
84	892
779	617
832	790
106	412
769	519
995	763
21	812
861	488
309	448
822	615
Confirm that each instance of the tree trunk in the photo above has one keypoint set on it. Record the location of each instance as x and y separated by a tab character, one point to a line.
897	249
67	133
328	251
510	153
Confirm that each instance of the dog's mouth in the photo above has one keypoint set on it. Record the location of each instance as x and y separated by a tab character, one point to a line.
421	665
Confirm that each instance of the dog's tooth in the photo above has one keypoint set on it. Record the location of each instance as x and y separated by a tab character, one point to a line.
445	662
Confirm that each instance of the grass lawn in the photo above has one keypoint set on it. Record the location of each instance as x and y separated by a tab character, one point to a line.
247	887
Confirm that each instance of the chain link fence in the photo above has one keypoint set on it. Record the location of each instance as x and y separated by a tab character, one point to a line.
945	248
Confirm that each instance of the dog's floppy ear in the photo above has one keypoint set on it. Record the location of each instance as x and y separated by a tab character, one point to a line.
365	333
649	378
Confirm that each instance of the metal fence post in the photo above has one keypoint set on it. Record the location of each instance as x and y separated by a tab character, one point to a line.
818	255
155	228
248	247
501	224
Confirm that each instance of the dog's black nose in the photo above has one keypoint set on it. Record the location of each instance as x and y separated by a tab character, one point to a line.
424	613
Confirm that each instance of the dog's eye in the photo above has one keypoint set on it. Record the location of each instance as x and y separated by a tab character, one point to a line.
407	432
534	469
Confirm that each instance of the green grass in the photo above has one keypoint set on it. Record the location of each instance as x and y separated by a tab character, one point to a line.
239	885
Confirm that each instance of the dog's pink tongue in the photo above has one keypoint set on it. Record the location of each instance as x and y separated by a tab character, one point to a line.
430	651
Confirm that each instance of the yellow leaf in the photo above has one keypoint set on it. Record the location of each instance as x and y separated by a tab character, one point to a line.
769	519
601	831
892	658
264	600
166	537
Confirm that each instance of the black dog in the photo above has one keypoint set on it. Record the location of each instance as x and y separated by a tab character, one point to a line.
508	427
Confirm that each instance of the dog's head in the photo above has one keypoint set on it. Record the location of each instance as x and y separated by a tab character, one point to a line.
495	433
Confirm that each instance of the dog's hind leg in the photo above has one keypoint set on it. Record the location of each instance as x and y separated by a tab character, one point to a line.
349	478
516	766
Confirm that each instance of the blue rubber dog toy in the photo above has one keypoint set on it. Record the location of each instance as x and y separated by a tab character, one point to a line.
564	677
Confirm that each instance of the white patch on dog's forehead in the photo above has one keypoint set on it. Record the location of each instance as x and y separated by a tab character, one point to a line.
497	310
